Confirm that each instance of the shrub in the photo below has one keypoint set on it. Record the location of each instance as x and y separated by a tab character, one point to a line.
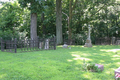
90	67
8	35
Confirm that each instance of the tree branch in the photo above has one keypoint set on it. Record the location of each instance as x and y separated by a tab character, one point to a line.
65	14
74	5
98	10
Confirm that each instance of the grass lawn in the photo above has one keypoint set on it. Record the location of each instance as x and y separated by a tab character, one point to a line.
60	64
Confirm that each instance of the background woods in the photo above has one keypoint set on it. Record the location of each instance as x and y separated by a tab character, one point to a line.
65	19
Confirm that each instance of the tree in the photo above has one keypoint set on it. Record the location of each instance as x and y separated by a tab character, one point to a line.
35	6
10	20
69	14
103	16
43	26
71	8
59	21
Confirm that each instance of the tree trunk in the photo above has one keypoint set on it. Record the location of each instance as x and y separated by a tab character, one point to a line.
33	28
59	22
71	8
43	26
70	20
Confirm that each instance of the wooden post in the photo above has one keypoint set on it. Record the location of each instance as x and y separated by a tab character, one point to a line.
54	43
15	45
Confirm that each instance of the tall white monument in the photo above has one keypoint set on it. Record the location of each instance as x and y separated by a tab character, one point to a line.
88	41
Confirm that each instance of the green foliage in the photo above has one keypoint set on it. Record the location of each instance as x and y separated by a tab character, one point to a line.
25	27
11	18
90	67
49	21
35	6
8	35
102	15
97	13
40	6
80	38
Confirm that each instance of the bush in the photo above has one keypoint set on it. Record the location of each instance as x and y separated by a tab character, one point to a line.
8	35
80	39
90	67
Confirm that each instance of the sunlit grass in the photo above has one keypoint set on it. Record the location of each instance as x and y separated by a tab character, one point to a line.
60	64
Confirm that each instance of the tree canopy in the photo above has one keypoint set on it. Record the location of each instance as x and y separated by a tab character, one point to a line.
101	15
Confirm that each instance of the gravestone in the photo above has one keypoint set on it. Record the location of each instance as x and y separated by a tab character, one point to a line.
88	41
41	44
65	45
101	67
117	71
47	44
118	42
113	40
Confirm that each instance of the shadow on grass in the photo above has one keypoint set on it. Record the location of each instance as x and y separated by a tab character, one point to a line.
60	64
97	54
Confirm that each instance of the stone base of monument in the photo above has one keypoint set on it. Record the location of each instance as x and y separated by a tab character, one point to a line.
117	72
88	43
101	67
65	46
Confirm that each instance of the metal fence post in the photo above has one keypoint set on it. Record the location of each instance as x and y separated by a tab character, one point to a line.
38	42
15	45
54	43
1	45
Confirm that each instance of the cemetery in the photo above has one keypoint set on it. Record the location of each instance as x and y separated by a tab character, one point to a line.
59	40
83	62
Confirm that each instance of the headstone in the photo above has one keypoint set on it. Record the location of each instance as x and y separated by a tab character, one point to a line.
117	71
113	40
65	45
41	45
69	47
88	41
118	42
47	44
101	67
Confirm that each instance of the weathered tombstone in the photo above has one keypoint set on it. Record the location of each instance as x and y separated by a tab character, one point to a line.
101	67
65	45
46	44
117	72
41	45
118	42
69	47
113	40
88	41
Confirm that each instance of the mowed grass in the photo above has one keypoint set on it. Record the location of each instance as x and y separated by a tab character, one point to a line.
60	64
